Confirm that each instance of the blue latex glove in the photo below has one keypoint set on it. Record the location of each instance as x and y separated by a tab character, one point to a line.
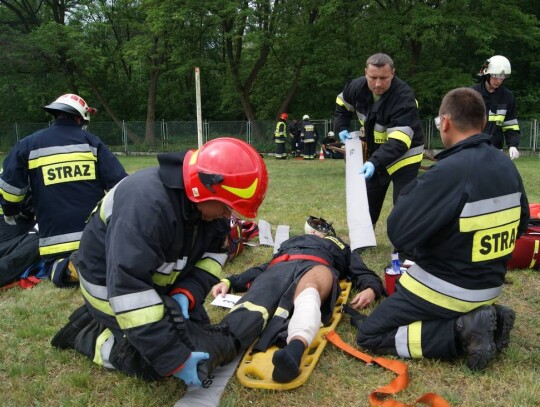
344	135
189	372
368	169
183	301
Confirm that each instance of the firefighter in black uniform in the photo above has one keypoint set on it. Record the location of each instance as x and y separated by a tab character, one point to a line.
294	133
280	137
309	138
303	275
68	171
502	123
150	254
460	230
388	113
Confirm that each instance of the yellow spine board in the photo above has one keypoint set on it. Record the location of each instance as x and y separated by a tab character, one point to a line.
255	370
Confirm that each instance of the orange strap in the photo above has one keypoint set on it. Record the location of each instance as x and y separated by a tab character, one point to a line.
398	383
291	257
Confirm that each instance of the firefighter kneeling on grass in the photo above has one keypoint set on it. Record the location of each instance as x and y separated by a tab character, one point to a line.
68	171
149	256
460	230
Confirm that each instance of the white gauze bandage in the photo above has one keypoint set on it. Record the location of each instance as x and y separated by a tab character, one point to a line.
306	319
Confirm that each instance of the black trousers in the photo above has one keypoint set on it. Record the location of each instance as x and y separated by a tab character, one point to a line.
410	327
379	183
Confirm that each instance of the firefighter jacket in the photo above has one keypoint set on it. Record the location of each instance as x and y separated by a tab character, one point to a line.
280	134
294	129
308	132
68	170
147	240
336	253
392	128
458	227
501	112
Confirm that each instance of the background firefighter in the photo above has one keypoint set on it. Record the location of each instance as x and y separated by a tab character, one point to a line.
149	256
309	138
280	137
502	123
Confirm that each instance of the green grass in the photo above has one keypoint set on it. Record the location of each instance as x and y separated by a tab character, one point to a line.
34	374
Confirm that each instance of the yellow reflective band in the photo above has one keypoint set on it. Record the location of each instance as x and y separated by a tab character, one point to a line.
193	158
281	312
140	317
407	161
495	242
60	158
163	280
102	338
244	193
100	305
489	220
399	135
335	241
12	198
512	127
59	248
252	307
535	253
68	172
439	299
496	118
211	266
415	339
380	137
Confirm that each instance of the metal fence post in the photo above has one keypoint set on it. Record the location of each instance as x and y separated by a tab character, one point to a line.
124	137
17	131
249	135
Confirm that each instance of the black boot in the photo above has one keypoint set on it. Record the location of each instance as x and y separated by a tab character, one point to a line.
505	322
65	337
475	334
216	340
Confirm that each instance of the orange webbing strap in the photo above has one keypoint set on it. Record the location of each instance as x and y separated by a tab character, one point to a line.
398	383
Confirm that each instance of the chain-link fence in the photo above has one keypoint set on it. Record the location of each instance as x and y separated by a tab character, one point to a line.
132	137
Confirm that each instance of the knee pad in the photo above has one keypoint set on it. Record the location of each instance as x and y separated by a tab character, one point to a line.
306	319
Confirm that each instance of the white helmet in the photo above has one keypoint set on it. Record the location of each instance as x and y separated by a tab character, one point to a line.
72	104
305	117
318	226
496	66
331	134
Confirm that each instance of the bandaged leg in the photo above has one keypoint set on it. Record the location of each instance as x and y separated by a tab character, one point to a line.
303	326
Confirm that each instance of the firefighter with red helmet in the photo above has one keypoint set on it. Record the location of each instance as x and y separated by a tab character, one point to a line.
149	255
502	123
68	171
280	137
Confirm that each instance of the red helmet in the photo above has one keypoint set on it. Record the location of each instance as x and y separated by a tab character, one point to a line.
284	116
227	170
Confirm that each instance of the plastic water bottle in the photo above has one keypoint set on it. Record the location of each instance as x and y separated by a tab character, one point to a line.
395	263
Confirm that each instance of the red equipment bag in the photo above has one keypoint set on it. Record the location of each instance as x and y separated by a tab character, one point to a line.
526	254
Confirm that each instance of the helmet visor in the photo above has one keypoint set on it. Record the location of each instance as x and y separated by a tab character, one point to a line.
499	75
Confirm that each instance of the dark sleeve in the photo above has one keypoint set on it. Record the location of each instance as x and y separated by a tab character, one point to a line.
242	282
110	169
512	135
424	207
345	103
14	179
525	212
363	277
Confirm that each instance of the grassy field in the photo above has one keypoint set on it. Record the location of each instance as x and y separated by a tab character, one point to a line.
34	374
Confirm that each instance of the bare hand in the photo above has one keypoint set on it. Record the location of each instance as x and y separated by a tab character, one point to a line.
363	299
220	288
